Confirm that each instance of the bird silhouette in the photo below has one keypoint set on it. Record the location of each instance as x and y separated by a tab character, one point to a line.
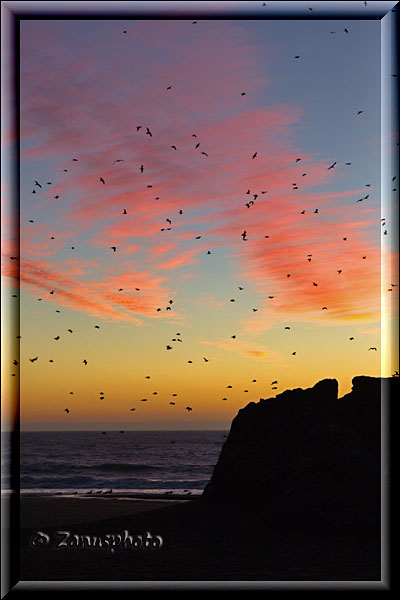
372	349
124	212
173	147
33	359
359	112
148	132
332	165
244	236
205	153
254	155
118	160
188	408
85	362
66	410
114	248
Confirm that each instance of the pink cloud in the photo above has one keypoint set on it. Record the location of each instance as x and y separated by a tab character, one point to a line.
113	94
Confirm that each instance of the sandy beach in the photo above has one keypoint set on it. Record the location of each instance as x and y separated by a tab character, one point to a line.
198	544
52	511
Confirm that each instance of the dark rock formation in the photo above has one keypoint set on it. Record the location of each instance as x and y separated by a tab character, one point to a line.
306	457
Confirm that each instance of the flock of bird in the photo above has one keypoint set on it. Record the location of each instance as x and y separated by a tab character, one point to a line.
244	236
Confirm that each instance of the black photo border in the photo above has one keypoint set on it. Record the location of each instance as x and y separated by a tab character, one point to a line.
12	14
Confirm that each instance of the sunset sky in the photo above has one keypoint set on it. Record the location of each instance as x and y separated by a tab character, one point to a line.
236	89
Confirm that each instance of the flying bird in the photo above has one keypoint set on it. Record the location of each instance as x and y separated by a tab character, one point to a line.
372	349
332	166
360	111
33	359
244	235
113	248
85	362
174	147
254	155
205	153
188	408
66	410
148	132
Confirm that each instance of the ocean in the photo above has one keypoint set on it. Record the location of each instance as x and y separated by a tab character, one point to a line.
129	462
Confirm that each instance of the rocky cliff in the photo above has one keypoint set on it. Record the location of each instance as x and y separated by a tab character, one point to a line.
306	456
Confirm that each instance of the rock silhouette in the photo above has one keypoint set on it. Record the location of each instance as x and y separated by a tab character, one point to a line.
307	457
